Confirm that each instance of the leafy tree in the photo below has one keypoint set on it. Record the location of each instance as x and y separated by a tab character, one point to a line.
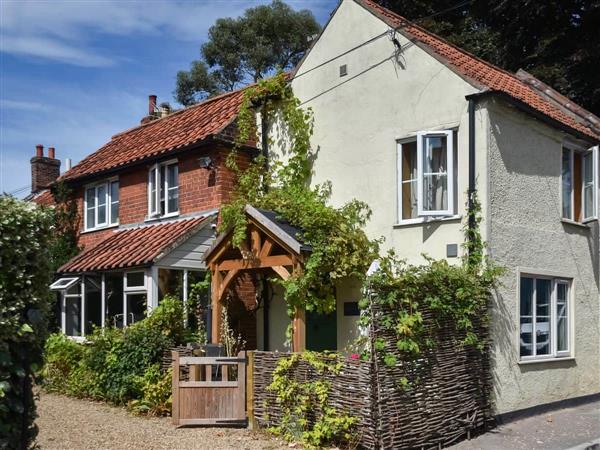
265	38
555	40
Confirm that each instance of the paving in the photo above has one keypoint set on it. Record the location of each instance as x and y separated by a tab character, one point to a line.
574	428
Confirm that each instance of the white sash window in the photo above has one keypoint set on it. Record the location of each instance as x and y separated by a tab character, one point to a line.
163	189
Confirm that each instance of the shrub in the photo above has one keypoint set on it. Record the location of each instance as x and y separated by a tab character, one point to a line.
117	365
24	305
156	393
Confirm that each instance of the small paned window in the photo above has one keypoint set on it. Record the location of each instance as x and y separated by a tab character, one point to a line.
579	184
163	190
101	205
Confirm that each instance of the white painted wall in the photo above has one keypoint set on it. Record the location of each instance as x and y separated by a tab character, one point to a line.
358	123
347	326
526	231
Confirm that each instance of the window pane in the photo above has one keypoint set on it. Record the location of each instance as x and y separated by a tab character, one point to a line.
588	185
526	309
173	205
101	201
114	299
162	190
114	202
136	307
435	192
91	205
135	279
562	326
435	176
566	183
170	282
542	318
93	304
73	313
173	175
409	180
152	190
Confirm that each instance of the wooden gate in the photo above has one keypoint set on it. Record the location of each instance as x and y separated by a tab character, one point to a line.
214	392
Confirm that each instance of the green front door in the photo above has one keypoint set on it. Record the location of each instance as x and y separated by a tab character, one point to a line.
321	331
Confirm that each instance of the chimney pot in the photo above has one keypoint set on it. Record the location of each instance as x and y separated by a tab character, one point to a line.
39	150
151	104
51	152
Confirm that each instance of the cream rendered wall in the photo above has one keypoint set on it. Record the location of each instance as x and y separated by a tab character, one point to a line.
347	326
525	167
358	123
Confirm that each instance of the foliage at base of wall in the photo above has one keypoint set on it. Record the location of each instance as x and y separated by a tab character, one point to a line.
119	366
308	415
25	230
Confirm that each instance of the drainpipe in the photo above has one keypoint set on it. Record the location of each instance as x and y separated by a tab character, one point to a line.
472	189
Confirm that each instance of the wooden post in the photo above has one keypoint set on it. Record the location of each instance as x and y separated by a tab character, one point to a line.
216	305
250	392
175	388
241	406
299	331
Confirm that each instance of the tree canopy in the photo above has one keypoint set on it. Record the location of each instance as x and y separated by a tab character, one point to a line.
244	49
557	41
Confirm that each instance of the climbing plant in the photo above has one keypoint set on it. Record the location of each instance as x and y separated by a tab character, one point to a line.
340	247
307	413
454	293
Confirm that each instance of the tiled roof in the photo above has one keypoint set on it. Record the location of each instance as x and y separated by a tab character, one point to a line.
179	129
133	247
481	73
44	198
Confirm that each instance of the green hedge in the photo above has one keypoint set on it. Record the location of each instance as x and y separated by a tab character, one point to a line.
118	366
25	232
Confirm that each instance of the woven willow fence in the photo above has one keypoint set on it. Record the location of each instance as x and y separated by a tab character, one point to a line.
448	398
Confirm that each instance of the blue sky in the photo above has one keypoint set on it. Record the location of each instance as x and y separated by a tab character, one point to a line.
73	73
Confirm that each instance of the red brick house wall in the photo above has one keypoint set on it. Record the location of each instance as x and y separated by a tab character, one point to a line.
199	189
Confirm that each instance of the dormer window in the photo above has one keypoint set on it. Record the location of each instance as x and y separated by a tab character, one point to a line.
163	190
101	205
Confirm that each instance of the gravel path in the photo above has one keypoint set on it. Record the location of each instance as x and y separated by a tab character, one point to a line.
68	423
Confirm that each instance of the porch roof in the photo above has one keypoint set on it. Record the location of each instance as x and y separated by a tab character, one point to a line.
135	247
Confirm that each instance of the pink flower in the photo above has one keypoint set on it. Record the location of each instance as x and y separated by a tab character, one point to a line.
354	356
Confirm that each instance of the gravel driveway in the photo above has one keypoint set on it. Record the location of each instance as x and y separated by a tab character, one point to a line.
68	423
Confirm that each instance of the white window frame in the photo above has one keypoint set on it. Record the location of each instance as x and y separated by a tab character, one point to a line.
554	353
595	185
108	203
422	214
62	284
133	290
162	186
421	136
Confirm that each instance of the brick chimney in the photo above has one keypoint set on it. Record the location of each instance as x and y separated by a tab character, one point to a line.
44	169
152	111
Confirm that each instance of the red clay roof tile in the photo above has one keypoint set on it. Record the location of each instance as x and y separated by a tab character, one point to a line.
179	129
477	70
133	247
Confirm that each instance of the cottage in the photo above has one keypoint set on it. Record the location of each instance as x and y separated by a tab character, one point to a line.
410	124
147	205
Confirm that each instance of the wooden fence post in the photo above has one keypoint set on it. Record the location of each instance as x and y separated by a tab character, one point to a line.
250	392
175	389
241	406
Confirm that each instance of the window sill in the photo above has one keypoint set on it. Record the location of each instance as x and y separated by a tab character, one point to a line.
108	227
159	218
430	219
577	224
545	360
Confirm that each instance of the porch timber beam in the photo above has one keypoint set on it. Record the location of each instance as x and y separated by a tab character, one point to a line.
227	281
282	272
260	263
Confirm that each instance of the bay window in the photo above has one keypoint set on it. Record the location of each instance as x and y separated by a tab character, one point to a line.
163	189
101	205
579	184
544	304
426	175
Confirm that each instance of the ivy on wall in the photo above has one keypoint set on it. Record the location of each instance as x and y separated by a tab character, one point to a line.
340	246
